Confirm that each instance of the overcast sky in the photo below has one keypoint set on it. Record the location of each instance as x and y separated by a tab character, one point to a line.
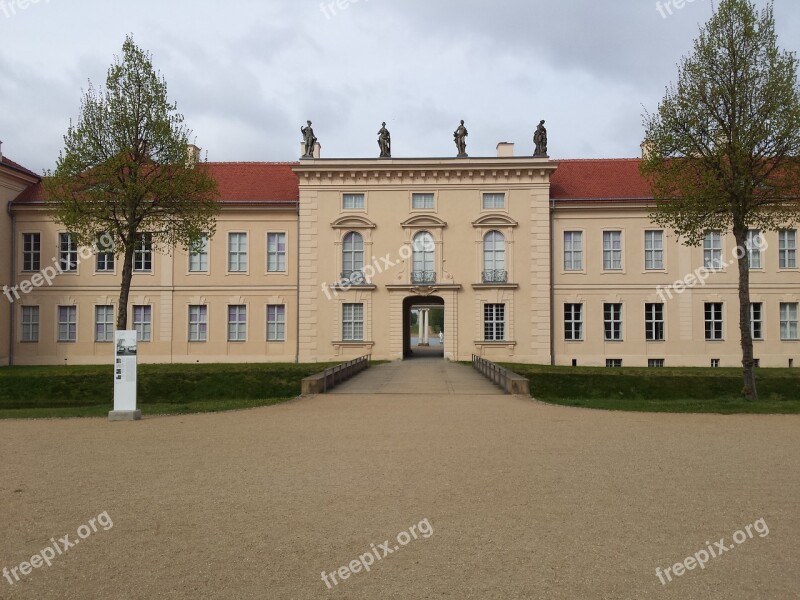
246	74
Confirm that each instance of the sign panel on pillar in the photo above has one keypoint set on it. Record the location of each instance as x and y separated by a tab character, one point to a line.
125	378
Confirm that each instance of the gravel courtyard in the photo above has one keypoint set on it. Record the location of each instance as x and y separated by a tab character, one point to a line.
508	498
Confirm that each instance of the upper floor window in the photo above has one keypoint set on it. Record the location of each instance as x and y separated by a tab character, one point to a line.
352	254
105	254
237	252
573	251
494	258
612	250
276	252
712	250
143	253
422	202
67	252
198	255
423	258
754	245
654	250
353	201
787	249
31	252
494	201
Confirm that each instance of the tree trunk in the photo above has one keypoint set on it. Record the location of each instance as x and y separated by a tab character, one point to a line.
125	288
740	233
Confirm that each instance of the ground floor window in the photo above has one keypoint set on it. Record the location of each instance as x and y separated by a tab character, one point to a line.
655	362
615	363
143	322
612	319
104	323
573	322
276	323
30	323
237	323
789	320
713	316
654	322
198	323
353	322
67	323
494	322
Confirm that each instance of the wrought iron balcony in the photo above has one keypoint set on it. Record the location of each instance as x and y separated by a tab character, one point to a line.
354	277
495	276
423	277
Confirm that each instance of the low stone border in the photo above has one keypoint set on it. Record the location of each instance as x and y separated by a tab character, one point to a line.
508	380
326	380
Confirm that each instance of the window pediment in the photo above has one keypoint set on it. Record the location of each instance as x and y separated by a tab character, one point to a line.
353	222
424	221
495	220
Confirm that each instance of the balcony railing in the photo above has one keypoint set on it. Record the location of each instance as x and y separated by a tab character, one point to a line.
423	277
495	276
354	277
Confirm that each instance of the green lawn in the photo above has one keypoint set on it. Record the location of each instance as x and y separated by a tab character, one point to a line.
36	392
663	389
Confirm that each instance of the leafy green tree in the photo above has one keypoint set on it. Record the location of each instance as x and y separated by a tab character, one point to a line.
722	150
128	169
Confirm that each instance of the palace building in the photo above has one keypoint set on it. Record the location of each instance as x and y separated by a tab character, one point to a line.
532	260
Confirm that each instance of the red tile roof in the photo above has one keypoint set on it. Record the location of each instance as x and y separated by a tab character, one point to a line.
256	182
599	179
18	167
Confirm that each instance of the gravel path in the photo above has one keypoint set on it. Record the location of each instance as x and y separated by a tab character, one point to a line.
524	500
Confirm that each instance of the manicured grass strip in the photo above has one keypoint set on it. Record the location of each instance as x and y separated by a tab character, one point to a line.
686	390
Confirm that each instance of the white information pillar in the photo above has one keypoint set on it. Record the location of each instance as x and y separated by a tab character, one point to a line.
125	378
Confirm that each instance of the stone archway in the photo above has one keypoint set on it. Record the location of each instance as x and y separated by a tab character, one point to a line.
428	348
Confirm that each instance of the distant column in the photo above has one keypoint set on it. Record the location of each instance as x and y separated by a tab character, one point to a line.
424	331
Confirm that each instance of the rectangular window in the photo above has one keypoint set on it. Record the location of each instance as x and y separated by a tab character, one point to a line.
573	250
67	323
787	249
757	320
68	252
353	201
654	322
143	322
789	320
105	254
198	255
237	252
143	253
573	322
654	250
237	323
715	362
754	245
30	323
614	363
276	323
104	323
31	251
655	363
276	252
422	201
198	323
494	322
713	318
712	250
612	250
352	322
612	320
493	201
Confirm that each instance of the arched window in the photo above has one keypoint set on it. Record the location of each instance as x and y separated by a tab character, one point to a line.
424	269
352	254
494	258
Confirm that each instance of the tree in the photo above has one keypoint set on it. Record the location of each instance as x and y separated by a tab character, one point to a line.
128	170
722	150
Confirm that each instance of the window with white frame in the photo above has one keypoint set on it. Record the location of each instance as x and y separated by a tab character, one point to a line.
276	252
104	323
68	252
654	250
494	322
352	322
612	250
353	201
614	363
789	321
237	252
67	323
573	322
654	322
787	249
276	323
494	201
143	253
31	251
352	255
713	320
237	323
494	258
198	323
104	262
573	251
754	245
423	202
657	363
143	322
198	255
757	320
30	324
612	321
712	250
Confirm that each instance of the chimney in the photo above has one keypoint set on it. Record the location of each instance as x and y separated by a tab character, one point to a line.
194	156
645	146
505	149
